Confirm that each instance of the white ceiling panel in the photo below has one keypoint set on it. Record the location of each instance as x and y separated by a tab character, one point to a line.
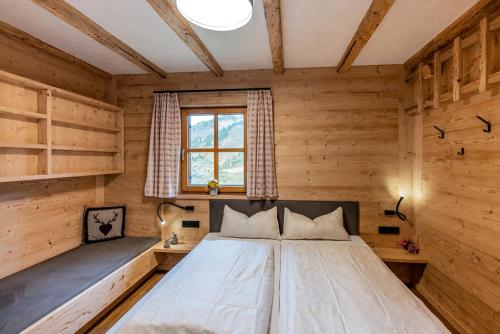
25	15
137	24
317	32
241	49
407	27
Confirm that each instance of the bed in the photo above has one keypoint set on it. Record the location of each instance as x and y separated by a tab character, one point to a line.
304	286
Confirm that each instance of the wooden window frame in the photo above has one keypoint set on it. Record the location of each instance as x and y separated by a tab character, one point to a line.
185	150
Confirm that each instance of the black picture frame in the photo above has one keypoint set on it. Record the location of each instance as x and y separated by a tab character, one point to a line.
94	209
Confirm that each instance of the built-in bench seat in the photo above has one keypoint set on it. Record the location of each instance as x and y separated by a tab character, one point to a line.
65	292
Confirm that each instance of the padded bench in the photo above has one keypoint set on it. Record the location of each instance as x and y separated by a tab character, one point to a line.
52	296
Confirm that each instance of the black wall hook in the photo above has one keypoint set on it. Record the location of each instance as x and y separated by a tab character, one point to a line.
441	132
461	152
488	124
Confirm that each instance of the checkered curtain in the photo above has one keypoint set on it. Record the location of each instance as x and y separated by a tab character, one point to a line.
164	147
261	166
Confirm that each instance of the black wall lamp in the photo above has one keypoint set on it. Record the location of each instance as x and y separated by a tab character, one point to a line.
396	212
162	221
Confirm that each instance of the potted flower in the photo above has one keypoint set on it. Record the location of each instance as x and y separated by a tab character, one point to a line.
213	187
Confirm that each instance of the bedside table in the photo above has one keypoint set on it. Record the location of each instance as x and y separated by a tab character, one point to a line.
408	267
169	257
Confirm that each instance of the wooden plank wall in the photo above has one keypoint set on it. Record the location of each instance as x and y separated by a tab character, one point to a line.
41	219
457	200
336	139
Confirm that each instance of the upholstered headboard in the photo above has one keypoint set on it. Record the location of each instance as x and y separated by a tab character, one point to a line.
311	209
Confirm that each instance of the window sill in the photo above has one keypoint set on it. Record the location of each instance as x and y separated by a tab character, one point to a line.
194	196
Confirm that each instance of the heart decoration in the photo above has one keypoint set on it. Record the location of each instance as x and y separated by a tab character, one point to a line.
105	228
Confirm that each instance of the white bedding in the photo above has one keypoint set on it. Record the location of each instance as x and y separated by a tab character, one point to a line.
222	286
343	287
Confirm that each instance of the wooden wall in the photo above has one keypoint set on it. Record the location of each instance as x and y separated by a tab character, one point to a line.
457	198
336	139
41	219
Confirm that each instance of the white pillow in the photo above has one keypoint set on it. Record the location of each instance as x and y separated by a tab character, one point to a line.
327	227
262	225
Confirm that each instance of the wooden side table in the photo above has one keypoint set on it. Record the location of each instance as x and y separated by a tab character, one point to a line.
408	267
169	257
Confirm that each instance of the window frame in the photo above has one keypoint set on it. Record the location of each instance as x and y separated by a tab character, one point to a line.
185	150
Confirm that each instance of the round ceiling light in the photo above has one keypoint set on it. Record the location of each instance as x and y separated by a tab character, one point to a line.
219	15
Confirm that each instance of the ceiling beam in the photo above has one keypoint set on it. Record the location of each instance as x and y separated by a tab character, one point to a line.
77	19
272	11
167	10
465	22
15	34
375	14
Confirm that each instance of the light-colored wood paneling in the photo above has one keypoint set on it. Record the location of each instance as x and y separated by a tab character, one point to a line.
456	203
336	139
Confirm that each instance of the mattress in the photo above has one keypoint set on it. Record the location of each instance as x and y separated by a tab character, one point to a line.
222	286
343	287
29	295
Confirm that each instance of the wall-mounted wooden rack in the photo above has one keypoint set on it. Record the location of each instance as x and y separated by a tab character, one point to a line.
47	132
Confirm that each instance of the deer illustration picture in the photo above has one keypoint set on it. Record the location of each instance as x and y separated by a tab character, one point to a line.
105	227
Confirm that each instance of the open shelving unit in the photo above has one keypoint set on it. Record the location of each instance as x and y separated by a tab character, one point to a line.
47	132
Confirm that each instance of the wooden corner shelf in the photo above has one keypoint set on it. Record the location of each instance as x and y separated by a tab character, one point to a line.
63	125
85	125
399	255
83	149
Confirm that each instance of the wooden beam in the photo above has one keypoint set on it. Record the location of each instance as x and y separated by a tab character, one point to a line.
375	14
484	54
465	22
457	67
272	12
420	89
19	35
77	19
437	78
167	10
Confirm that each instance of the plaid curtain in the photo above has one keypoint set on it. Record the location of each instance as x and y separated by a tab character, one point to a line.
164	147
261	166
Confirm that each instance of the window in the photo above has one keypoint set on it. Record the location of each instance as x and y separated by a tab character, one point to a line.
213	147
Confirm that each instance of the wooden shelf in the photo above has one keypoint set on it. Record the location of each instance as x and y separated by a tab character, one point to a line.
83	149
58	120
24	146
181	248
23	113
47	114
56	176
399	255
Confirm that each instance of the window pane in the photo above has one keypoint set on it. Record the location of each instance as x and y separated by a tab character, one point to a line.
231	130
231	171
201	131
200	168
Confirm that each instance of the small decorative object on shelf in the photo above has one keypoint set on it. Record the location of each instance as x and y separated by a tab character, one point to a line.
173	239
166	244
213	187
409	246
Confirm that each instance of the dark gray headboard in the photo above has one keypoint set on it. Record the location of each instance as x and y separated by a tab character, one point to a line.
311	209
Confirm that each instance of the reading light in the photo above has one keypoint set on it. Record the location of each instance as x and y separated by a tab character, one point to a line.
162	221
396	212
218	15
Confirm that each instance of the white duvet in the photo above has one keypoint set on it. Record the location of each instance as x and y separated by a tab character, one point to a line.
222	286
343	287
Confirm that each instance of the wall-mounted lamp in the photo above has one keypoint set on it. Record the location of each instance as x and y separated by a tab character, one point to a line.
162	221
396	212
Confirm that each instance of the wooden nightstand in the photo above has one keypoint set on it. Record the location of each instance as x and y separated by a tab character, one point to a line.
408	267
169	257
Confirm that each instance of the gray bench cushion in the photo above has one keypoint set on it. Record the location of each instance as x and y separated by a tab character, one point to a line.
29	295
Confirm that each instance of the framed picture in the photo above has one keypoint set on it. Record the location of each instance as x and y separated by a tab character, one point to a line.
104	223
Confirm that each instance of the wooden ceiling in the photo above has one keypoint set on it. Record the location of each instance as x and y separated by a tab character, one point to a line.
332	24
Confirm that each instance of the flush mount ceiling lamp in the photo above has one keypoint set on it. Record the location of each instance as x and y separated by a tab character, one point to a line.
218	15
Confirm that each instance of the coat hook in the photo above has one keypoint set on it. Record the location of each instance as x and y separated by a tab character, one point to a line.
488	124
461	152
441	132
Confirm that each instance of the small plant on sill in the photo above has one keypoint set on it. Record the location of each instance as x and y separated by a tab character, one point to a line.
213	187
